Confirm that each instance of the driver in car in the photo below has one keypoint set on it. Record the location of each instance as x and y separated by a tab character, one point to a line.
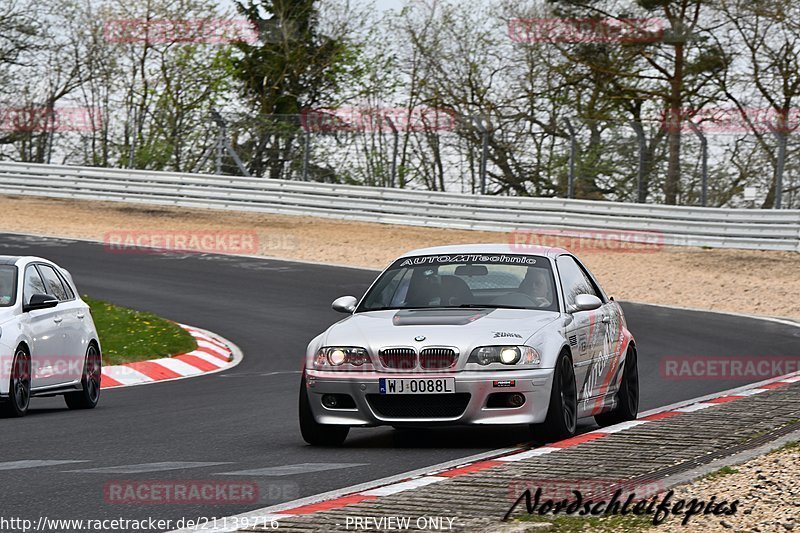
535	286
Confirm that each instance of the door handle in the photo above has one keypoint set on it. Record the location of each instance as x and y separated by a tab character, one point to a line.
81	315
606	319
58	320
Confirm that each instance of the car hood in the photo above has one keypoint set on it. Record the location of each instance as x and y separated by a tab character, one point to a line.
461	328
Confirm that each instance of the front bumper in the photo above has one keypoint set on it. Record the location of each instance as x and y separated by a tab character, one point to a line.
474	388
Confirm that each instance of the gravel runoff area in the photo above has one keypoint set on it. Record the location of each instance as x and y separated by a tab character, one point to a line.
752	282
767	486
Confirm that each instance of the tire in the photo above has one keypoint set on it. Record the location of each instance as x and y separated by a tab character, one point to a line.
627	396
89	395
314	433
19	389
562	412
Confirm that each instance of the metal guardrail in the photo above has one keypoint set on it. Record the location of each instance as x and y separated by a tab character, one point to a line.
670	225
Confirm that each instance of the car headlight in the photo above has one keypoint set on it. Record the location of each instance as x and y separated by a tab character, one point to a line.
507	355
329	356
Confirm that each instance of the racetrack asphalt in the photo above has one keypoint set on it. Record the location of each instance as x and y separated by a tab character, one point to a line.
246	418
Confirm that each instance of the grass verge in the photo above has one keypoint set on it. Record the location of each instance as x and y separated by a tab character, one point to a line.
127	335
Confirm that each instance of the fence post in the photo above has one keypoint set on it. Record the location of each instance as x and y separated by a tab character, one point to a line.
220	147
395	146
779	165
484	151
132	150
704	161
641	193
306	154
573	148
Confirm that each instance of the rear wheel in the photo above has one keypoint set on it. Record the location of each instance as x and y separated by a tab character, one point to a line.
88	397
627	397
562	413
19	390
313	432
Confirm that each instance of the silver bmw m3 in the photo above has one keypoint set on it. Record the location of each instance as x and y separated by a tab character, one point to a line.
473	334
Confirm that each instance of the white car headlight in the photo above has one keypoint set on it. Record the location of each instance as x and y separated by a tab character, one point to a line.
507	355
334	356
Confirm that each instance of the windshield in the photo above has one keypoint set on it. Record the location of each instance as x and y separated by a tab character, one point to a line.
8	285
464	280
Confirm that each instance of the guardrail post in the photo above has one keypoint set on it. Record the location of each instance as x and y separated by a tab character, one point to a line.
641	193
573	149
704	162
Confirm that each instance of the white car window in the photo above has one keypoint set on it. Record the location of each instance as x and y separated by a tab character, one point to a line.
8	285
573	280
33	284
53	283
65	280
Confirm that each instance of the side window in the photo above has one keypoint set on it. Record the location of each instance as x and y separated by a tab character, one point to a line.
53	283
573	280
33	284
67	286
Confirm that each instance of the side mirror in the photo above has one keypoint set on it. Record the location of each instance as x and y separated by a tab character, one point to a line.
586	302
40	301
345	304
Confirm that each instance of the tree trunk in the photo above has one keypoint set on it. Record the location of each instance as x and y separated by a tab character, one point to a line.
672	183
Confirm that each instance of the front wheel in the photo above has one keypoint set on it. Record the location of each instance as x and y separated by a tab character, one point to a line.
19	390
89	395
627	397
314	433
562	413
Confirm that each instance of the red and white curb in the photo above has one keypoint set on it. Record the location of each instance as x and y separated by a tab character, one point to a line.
427	476
213	354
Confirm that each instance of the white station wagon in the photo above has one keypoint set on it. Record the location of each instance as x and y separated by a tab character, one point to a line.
48	342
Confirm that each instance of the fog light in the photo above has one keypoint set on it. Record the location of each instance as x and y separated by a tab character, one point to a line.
516	400
330	401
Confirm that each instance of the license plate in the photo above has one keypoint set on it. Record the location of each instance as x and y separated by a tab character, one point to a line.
417	385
